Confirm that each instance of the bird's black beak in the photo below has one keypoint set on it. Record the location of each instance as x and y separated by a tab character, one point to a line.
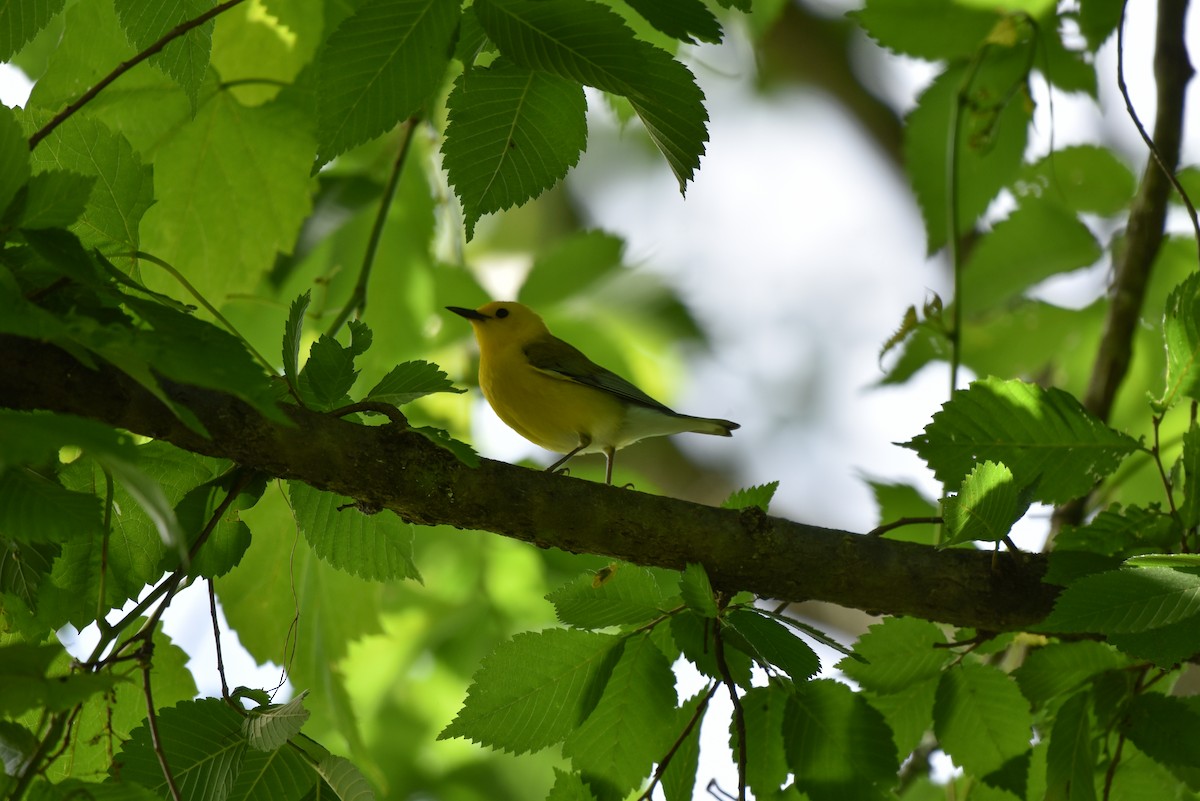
470	314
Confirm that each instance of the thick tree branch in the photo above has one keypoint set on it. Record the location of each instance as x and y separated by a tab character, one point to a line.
423	483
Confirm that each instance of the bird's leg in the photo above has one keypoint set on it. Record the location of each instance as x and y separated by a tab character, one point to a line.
609	453
584	441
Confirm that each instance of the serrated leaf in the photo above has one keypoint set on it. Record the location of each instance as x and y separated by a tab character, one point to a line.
908	712
631	724
679	779
763	710
775	644
328	374
269	729
1083	178
202	742
293	332
681	19
941	30
1041	434
1164	728
535	689
569	787
406	382
513	132
987	505
835	742
1177	560
374	547
1098	19
20	21
759	495
1125	602
897	653
231	188
1120	532
1060	668
990	145
461	450
124	188
35	509
586	42
1189	460
345	779
14	157
980	718
1181	331
697	591
282	774
1037	240
693	635
73	789
55	199
378	67
1166	646
185	59
629	595
1071	758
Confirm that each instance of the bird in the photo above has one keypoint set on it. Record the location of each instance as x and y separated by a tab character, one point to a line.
547	391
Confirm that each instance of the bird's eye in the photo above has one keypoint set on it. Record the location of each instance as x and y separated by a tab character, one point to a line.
501	313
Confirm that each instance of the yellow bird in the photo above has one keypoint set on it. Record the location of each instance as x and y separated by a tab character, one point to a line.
550	393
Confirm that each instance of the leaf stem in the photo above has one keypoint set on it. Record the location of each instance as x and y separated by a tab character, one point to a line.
152	722
126	66
357	302
739	715
212	608
665	762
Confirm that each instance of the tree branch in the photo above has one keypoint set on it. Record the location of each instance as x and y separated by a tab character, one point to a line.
423	483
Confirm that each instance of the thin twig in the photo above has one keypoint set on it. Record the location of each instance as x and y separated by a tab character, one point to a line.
125	66
389	411
212	608
879	531
357	302
739	715
665	762
109	499
152	723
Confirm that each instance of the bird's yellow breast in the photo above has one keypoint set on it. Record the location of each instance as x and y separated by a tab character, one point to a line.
551	412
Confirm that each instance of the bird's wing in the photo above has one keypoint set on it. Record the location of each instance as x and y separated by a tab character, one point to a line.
563	360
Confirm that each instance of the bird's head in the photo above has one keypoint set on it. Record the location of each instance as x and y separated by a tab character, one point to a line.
503	322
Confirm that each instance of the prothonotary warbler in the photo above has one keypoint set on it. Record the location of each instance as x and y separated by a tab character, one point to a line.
557	398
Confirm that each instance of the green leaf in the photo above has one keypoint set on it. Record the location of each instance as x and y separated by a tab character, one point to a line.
374	547
697	591
73	789
328	374
586	42
897	653
763	710
1164	728
1165	646
268	729
759	495
293	334
282	774
986	506
1083	178
774	644
461	450
631	724
14	156
378	68
900	501
37	437
693	634
408	381
17	745
1038	240
570	267
55	199
569	787
20	21
202	742
1120	532
345	779
535	689
1071	758
513	132
679	779
908	712
1098	19
935	30
1041	434
39	677
980	718
681	19
185	59
1061	668
990	144
124	187
1176	560
1125	601
626	595
1189	460
835	742
1181	330
231	189
35	509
